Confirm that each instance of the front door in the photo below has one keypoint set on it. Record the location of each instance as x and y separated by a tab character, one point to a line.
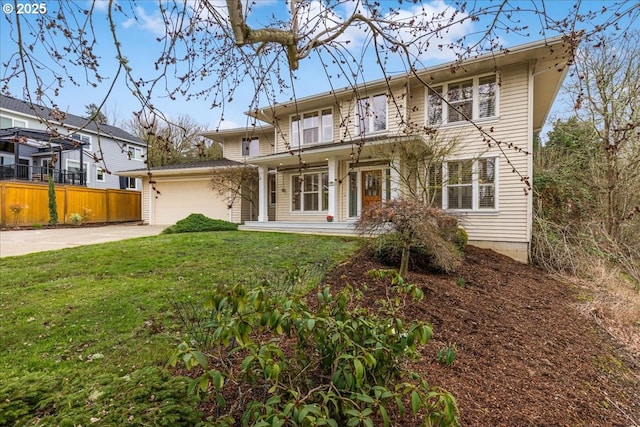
371	188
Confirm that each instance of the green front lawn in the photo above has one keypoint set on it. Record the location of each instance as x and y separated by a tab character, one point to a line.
85	333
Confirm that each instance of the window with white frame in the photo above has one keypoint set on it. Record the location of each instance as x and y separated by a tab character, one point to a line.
310	192
9	122
135	153
132	183
471	184
250	146
474	99
371	114
100	174
85	139
312	128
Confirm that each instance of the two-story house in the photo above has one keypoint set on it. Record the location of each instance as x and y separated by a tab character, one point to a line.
37	142
329	156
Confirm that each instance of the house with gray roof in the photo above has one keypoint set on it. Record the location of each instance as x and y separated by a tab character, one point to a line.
37	142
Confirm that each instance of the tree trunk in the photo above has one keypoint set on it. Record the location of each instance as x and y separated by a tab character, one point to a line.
404	261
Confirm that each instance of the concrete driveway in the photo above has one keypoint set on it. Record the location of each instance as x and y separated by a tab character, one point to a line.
20	242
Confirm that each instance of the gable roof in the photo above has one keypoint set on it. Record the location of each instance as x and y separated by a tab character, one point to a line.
9	103
549	60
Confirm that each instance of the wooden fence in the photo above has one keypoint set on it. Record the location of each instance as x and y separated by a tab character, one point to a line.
100	205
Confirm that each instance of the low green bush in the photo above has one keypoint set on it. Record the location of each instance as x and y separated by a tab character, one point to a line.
197	223
272	361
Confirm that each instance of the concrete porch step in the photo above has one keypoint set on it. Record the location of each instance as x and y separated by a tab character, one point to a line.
325	228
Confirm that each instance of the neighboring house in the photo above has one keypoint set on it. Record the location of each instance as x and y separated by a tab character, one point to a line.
319	156
82	153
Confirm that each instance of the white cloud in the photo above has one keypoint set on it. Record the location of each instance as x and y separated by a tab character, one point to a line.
418	26
152	23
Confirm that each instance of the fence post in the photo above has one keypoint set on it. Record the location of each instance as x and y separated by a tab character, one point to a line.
3	207
108	207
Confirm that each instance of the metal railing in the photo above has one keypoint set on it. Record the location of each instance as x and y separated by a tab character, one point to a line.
41	174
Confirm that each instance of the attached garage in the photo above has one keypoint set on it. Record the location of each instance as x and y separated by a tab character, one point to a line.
171	193
178	197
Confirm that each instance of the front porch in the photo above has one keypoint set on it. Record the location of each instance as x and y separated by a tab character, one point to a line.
322	228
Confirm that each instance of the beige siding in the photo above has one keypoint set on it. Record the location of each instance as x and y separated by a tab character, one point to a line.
510	222
232	146
180	197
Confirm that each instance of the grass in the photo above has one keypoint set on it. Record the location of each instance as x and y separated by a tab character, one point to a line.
85	332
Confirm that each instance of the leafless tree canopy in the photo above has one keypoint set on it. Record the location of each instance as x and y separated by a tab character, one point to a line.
205	48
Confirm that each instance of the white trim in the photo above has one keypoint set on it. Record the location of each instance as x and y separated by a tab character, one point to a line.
135	149
263	194
475	101
13	121
371	118
475	185
300	133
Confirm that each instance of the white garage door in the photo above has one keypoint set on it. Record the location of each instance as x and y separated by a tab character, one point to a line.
180	198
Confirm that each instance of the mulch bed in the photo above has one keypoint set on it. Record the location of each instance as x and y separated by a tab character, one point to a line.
525	356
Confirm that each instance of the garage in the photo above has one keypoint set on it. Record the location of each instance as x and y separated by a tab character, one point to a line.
171	193
177	198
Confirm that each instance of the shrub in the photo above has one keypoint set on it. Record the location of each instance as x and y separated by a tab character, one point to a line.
438	255
53	205
16	209
197	222
461	239
75	218
287	366
446	355
86	214
414	234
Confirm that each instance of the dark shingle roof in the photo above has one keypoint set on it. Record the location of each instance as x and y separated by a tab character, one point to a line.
204	164
71	120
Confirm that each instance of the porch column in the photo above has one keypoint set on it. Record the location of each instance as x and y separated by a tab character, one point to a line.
395	178
333	190
263	194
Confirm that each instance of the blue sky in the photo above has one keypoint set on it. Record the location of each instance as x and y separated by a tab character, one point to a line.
142	49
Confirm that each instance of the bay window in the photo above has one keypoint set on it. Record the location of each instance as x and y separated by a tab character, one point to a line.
310	192
371	114
474	99
312	128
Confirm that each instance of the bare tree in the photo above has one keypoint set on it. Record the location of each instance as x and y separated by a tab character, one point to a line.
205	50
606	92
177	142
241	184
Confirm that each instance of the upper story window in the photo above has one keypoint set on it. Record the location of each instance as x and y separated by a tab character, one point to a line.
371	115
250	146
312	128
135	153
471	184
474	99
85	139
9	122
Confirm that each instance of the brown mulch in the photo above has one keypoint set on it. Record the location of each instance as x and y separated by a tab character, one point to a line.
525	355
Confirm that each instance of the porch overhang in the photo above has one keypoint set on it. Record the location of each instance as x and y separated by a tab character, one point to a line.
362	150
